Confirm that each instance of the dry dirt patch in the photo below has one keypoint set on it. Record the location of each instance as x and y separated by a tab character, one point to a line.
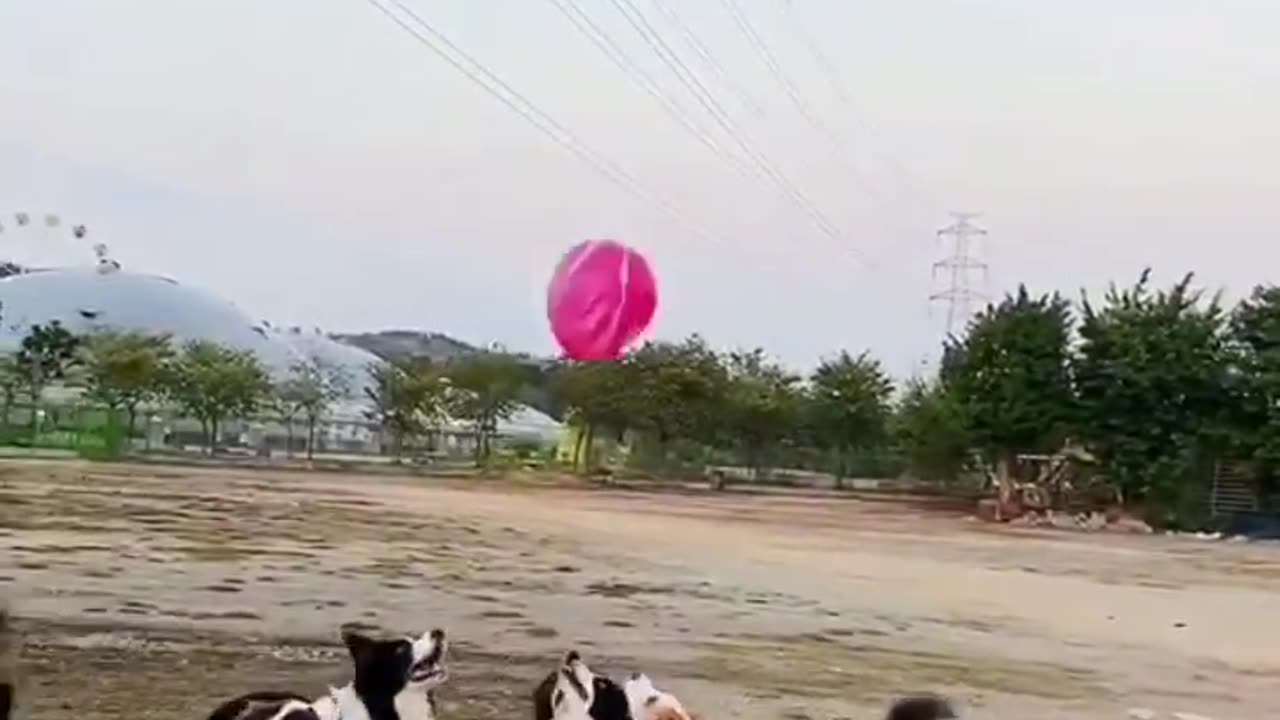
186	586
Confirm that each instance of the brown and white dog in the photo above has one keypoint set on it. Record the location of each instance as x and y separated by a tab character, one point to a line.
646	702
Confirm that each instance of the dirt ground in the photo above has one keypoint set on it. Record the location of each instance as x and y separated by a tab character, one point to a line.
156	593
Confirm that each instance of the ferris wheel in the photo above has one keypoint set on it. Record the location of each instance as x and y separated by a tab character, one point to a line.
31	241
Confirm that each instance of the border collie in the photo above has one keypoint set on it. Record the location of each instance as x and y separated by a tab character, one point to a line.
647	702
12	696
394	680
574	692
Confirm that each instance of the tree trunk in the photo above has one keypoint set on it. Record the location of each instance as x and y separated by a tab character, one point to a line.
840	468
577	448
288	437
35	414
589	444
311	437
132	411
213	436
204	433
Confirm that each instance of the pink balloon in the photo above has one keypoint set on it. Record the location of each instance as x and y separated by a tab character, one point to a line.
601	297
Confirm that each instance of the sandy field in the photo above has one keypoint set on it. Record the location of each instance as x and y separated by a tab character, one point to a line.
157	592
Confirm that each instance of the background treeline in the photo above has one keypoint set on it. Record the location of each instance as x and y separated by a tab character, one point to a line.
1153	385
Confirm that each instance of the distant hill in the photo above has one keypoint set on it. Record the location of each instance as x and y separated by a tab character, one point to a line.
395	345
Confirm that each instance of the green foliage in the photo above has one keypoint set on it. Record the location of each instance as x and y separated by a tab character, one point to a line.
1010	377
929	431
486	390
677	391
596	397
46	354
212	382
310	390
1255	335
407	399
763	407
125	370
1154	391
11	381
849	407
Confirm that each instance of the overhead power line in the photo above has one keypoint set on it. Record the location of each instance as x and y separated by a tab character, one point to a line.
708	59
441	46
599	37
641	25
839	87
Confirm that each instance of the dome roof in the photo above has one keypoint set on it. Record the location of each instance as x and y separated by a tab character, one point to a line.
353	361
86	299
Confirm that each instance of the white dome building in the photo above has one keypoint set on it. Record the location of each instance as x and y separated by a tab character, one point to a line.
85	299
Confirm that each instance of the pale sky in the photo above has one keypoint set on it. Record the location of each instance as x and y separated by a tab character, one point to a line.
310	161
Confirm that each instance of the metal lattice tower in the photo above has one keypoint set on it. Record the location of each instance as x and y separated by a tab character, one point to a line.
960	265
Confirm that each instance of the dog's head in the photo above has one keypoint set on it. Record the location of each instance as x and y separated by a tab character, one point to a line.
647	702
568	693
558	697
921	707
385	668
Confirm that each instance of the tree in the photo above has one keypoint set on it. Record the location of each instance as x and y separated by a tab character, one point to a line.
596	397
1154	389
849	407
310	389
677	392
46	354
406	399
486	390
212	382
762	408
319	385
1255	336
10	383
1010	379
126	370
285	400
929	432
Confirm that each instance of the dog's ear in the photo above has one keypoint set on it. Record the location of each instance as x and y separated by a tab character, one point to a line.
358	644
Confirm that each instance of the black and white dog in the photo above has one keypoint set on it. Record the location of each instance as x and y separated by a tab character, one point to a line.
574	692
394	680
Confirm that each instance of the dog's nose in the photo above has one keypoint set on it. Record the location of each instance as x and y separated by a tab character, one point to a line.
635	676
437	634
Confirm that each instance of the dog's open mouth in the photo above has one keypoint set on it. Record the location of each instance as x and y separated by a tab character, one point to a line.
424	671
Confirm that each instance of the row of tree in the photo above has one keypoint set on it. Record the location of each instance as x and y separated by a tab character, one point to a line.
1155	384
127	372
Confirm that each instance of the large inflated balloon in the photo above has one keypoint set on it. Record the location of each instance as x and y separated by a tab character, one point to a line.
602	296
